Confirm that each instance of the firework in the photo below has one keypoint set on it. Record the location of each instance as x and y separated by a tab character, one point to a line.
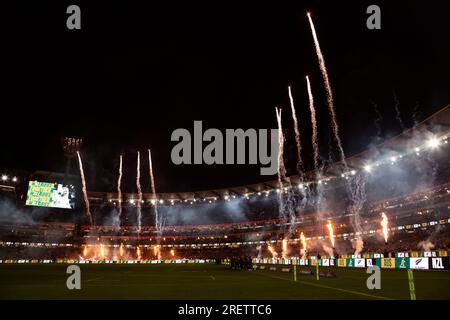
284	248
85	251
139	191
102	251
121	250
158	222
298	139
397	112
138	252
314	125
157	251
331	233
330	99
384	224
281	168
83	182
356	187
272	251
303	240
172	253
119	190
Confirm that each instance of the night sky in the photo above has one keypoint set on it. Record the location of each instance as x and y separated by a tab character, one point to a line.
134	74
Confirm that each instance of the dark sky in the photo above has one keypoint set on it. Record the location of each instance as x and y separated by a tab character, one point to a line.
133	74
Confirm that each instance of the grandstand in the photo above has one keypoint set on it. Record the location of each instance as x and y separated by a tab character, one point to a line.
235	238
409	180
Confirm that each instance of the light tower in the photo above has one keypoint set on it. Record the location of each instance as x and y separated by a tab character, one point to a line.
70	147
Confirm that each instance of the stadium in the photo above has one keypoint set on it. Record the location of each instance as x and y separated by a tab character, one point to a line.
99	200
224	233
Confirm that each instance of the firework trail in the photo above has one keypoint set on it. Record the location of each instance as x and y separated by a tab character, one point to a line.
157	251
119	189
272	251
102	251
158	220
300	168
330	99
121	249
139	191
357	189
298	139
330	231
303	240
314	126
281	168
83	182
284	248
397	111
319	199
358	245
376	122
286	203
353	190
138	253
384	224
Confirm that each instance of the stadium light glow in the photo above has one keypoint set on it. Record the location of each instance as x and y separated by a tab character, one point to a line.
14	179
433	143
4	177
353	172
161	201
368	168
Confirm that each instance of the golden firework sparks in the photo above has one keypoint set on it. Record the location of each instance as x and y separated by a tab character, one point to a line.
272	251
303	240
331	232
384	224
284	248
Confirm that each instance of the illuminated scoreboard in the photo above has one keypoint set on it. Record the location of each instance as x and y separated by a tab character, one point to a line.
51	195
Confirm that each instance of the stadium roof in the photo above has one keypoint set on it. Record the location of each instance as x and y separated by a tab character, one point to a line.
436	126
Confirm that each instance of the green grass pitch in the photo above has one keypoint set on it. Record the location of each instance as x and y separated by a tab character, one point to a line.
189	282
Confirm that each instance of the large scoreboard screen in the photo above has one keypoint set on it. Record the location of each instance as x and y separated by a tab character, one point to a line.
52	195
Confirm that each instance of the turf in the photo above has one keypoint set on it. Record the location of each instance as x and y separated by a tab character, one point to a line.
186	282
